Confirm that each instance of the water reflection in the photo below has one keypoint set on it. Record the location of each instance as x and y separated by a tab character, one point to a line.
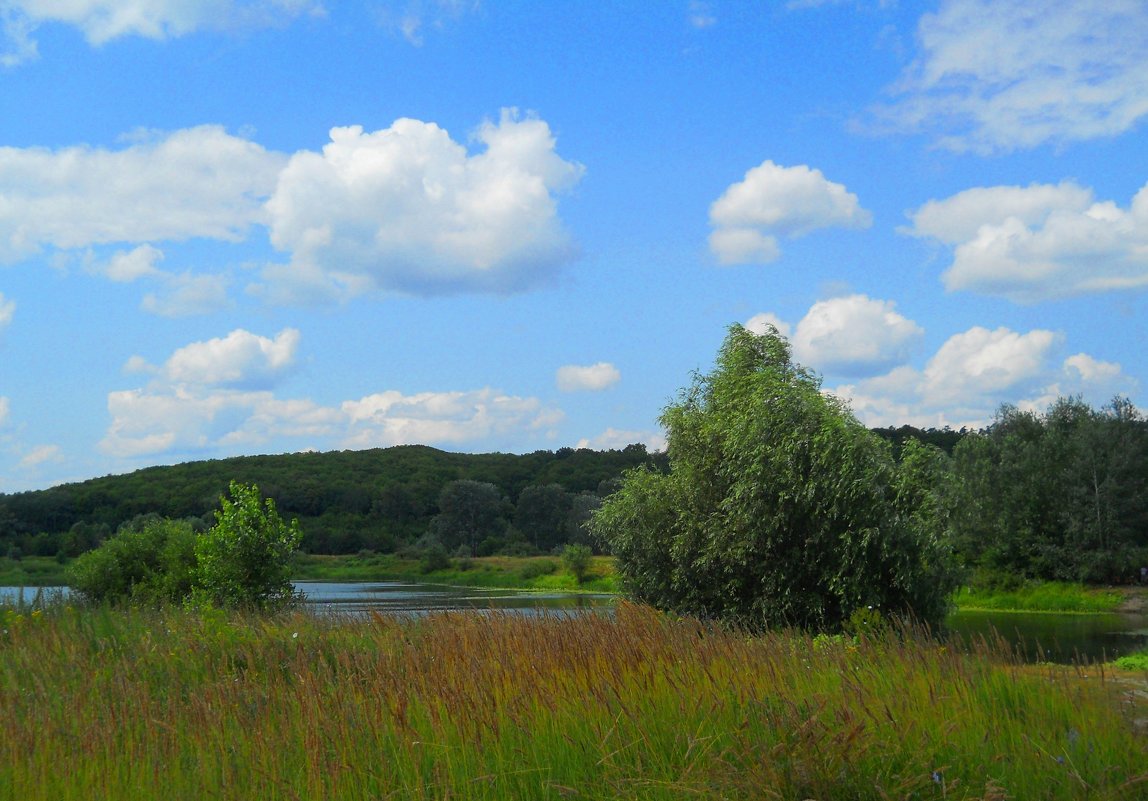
1051	637
411	598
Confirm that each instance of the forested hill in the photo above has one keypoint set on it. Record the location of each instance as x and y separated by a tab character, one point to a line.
345	501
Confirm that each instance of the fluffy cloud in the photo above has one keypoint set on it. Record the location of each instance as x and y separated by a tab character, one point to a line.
198	182
975	371
854	335
590	378
760	323
616	439
391	418
1038	242
104	20
773	201
4	409
217	396
404	209
995	76
126	266
240	359
980	363
961	384
408	209
190	419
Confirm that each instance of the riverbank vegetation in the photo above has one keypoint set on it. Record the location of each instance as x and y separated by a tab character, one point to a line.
504	572
185	705
1041	596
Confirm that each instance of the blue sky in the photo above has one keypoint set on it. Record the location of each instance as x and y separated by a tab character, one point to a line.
233	227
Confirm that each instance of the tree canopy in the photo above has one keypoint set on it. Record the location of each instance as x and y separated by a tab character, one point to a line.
779	507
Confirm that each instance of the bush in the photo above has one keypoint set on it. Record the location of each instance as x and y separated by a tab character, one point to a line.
780	508
245	558
151	561
538	567
577	561
434	558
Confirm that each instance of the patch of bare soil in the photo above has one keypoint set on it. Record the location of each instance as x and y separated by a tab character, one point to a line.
1135	602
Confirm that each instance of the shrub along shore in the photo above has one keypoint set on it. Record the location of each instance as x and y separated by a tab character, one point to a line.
636	705
548	573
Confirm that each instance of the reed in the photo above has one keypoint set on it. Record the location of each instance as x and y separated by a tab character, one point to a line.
175	704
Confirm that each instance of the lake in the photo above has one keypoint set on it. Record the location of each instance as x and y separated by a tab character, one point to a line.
1040	636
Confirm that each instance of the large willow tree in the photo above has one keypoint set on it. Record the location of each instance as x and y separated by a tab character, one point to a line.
780	508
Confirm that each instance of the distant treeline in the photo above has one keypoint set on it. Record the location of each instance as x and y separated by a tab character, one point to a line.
348	501
1056	495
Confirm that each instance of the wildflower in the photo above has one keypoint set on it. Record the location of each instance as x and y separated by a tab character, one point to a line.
937	777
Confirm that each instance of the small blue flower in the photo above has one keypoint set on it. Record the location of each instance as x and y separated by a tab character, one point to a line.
937	777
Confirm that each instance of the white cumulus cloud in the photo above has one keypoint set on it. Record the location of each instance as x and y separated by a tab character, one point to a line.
974	372
588	378
774	201
617	439
240	359
217	396
1000	75
197	182
101	21
1039	242
409	209
854	335
126	266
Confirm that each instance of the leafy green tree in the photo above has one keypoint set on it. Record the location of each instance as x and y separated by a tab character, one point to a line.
469	512
779	507
151	561
577	561
1059	495
245	558
541	515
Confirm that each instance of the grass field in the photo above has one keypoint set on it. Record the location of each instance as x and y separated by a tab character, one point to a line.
129	704
1048	596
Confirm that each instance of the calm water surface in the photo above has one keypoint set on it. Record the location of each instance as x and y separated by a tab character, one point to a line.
411	597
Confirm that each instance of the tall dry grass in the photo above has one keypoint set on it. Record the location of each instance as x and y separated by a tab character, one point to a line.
132	704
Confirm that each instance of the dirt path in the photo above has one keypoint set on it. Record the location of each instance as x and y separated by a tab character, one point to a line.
1135	601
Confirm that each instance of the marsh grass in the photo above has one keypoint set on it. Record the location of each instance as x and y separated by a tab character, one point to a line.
1048	596
129	704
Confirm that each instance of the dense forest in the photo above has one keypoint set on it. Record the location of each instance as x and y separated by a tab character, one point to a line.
1056	495
346	501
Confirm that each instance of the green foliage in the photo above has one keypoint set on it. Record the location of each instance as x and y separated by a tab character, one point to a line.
577	559
1059	496
1137	661
380	499
245	558
434	557
779	508
469	512
152	561
538	567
